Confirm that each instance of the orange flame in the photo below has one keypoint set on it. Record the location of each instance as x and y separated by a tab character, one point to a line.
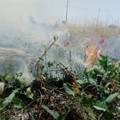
92	53
75	85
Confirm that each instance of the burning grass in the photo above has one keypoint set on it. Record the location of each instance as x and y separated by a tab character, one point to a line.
82	84
62	93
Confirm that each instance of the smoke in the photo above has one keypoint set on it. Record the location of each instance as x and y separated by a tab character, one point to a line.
24	41
27	77
111	47
26	30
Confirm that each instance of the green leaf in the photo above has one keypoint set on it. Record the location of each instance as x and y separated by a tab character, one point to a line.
107	85
69	89
92	81
100	106
118	86
103	64
108	115
81	82
111	97
111	67
104	61
18	103
118	97
9	99
51	112
105	58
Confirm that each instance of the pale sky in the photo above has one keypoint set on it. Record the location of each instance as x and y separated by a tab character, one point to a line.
52	11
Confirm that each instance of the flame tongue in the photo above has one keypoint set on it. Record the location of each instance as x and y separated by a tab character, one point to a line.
72	81
92	53
75	85
92	50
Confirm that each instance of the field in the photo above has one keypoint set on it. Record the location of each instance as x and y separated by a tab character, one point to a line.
71	72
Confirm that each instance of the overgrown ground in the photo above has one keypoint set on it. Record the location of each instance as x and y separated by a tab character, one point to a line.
59	91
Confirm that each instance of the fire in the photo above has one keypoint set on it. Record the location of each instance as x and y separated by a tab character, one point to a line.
75	85
72	80
92	53
110	89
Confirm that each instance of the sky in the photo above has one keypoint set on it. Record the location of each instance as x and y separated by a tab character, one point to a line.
52	11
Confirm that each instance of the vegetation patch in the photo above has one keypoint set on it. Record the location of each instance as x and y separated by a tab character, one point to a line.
59	92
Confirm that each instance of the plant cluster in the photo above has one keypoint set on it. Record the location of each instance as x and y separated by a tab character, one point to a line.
58	92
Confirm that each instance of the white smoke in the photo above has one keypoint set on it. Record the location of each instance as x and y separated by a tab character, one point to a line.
25	32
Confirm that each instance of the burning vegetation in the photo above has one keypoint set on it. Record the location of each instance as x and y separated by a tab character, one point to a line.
59	91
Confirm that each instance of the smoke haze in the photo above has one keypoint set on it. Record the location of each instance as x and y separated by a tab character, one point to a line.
26	26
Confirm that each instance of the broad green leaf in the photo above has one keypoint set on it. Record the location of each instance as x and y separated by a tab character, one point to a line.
51	112
104	57
100	106
81	81
69	89
103	64
111	67
107	85
118	86
9	99
111	97
18	103
92	81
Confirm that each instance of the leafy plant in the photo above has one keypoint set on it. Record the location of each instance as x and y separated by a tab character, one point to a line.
69	89
55	86
9	99
51	112
101	82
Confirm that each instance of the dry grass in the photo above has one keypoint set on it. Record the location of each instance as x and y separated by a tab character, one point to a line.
99	30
